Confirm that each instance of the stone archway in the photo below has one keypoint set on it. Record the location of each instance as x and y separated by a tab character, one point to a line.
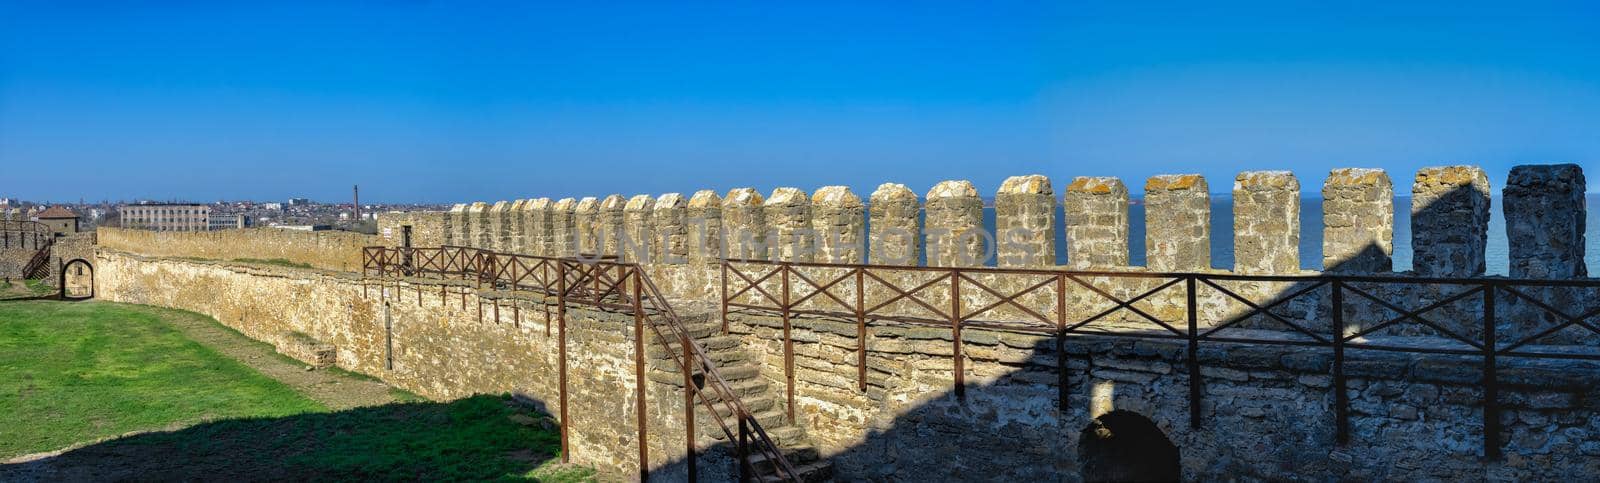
77	280
1126	446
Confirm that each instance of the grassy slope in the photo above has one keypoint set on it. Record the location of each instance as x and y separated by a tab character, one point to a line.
78	372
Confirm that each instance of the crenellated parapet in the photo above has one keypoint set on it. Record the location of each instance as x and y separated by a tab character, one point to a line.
608	229
1358	221
838	218
705	228
669	229
1025	222
457	225
788	217
1266	222
896	215
744	225
1096	218
585	221
638	229
954	225
478	217
1177	213
1545	221
537	237
1449	221
564	233
500	221
1544	208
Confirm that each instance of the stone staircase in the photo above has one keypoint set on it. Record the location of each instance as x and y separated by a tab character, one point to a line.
743	376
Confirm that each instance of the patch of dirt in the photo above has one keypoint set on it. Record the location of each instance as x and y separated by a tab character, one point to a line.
336	390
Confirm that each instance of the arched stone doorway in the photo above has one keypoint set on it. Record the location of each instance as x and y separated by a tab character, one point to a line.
1126	446
77	280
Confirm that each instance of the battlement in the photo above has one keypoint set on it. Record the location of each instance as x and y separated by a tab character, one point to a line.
1543	208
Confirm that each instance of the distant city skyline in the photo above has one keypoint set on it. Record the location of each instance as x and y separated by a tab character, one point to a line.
435	103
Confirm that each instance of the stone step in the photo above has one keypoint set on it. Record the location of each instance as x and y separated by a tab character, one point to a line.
755	404
742	389
786	435
711	344
813	472
731	372
700	330
797	457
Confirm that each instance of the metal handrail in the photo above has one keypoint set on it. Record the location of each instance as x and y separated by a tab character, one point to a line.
39	261
591	281
741	290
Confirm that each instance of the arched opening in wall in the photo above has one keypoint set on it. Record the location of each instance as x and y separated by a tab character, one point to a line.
77	280
1125	446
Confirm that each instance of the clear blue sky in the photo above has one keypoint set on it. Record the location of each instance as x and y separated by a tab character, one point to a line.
426	101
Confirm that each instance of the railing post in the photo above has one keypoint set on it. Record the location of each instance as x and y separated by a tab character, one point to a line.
1061	343
688	404
638	378
744	448
1341	399
861	331
788	343
1491	382
1193	357
724	291
955	332
561	344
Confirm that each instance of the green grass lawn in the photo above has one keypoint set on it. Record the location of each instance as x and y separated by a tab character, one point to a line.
77	372
81	372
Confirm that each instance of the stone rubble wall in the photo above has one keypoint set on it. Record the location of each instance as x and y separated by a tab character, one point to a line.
905	419
327	250
1266	411
449	342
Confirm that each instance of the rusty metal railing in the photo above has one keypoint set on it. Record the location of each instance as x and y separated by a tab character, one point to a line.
791	289
39	264
605	283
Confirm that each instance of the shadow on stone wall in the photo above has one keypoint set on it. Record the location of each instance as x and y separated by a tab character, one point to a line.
1010	428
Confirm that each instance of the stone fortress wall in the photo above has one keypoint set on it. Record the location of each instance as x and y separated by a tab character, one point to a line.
325	250
1267	412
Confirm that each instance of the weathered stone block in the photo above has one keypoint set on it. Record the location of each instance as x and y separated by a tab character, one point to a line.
1025	222
1096	219
482	228
1266	222
499	226
670	241
460	227
538	237
514	223
955	237
744	225
838	219
585	219
896	226
1177	213
1449	221
788	214
1545	217
1358	221
638	230
705	232
304	348
609	230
